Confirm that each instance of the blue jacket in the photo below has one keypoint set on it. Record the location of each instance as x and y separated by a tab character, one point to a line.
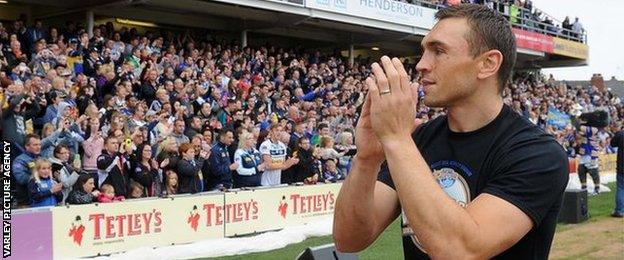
40	194
219	166
50	114
22	172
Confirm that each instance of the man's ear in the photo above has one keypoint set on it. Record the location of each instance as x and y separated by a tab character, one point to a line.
490	63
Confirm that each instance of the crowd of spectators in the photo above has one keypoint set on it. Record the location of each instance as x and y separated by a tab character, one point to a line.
536	97
160	114
123	115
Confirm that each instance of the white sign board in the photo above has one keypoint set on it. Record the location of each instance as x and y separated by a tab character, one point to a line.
383	10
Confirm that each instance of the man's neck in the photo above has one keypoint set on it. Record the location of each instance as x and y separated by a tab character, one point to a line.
474	113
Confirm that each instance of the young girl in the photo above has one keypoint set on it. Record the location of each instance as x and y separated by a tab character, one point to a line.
44	191
107	194
136	190
171	183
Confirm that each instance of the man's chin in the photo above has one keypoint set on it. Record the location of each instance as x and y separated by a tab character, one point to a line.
433	103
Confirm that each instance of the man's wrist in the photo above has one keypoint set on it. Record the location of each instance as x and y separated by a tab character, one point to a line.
398	142
366	162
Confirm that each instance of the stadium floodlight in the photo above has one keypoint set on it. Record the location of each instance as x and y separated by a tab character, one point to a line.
134	22
375	48
4	2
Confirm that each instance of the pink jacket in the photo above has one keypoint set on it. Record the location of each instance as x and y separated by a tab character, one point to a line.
103	199
92	149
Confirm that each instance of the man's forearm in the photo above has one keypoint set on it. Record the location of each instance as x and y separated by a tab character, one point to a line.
354	221
438	221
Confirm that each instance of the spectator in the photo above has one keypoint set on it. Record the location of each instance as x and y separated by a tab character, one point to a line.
274	157
113	166
62	171
146	170
188	170
347	147
577	28
15	114
194	127
137	191
171	183
304	168
108	194
168	152
331	172
178	132
219	164
23	168
249	171
83	191
44	190
92	148
327	149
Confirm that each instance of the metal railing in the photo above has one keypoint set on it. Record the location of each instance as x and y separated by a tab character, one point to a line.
523	19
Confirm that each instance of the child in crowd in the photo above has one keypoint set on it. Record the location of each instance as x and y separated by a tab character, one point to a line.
136	190
171	183
44	190
107	194
331	173
316	167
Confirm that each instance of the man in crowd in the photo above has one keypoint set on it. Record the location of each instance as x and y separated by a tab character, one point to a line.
23	167
273	153
219	166
113	166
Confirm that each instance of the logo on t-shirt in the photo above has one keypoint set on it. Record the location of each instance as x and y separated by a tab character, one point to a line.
454	185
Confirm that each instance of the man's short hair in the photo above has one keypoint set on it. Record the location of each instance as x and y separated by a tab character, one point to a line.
28	138
224	131
489	30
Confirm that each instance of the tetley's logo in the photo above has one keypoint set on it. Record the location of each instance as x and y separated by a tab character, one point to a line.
77	230
452	183
283	207
193	219
307	205
108	228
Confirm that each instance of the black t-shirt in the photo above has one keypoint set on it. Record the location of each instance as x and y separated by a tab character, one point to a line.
509	158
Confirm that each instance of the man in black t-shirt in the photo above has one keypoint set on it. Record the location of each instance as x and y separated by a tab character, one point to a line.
480	182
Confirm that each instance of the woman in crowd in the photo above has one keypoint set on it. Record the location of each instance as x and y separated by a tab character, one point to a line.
247	157
188	170
44	190
62	170
146	170
83	191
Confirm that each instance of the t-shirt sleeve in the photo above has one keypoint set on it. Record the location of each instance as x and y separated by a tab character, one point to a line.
532	176
264	149
384	175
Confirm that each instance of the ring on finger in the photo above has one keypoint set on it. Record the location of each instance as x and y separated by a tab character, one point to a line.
387	91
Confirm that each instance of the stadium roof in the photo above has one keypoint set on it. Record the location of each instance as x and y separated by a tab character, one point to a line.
283	18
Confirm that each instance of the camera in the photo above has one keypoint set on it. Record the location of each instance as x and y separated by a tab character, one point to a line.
598	118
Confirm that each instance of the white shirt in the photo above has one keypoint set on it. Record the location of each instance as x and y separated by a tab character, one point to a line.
277	151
